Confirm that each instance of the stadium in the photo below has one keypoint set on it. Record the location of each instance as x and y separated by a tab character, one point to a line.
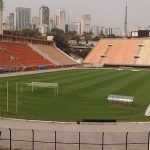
49	101
82	92
40	82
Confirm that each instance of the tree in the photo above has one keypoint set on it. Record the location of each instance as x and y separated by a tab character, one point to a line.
111	36
56	31
71	33
28	33
87	36
76	37
96	38
24	32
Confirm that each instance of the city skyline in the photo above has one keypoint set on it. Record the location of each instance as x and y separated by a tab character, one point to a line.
103	12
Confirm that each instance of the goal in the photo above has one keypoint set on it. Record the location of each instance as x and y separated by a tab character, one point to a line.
35	85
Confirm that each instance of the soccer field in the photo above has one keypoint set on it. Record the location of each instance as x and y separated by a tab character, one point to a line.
82	94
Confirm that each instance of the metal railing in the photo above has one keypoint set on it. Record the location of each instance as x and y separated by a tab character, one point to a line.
57	140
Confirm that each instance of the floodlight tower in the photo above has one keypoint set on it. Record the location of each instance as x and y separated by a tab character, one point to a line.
126	21
1	16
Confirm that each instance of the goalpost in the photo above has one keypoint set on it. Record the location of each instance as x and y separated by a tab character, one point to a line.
34	85
7	97
18	88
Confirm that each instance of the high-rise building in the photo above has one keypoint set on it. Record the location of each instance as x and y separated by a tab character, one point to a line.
44	29
55	21
44	19
11	21
116	31
1	16
44	15
71	27
61	19
51	24
35	22
95	30
6	23
23	18
108	31
77	27
85	23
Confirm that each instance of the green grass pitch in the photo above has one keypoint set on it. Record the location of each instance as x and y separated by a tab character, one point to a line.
82	94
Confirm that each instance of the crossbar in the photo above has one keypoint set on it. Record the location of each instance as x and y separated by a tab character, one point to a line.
42	85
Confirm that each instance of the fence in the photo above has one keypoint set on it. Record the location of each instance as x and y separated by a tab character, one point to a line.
13	139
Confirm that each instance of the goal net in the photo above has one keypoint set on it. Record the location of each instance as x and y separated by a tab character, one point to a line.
35	85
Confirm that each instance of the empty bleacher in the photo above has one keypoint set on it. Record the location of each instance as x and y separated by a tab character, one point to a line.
144	54
18	54
122	52
24	54
99	52
56	55
6	60
115	52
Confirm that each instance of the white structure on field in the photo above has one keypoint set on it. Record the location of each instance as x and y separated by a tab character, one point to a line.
148	111
120	98
1	16
41	85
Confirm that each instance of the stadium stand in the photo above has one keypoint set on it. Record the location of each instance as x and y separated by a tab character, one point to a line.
24	54
6	60
8	63
122	52
59	57
97	54
144	54
119	52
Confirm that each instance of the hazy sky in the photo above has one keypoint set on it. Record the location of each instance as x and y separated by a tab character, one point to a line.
103	12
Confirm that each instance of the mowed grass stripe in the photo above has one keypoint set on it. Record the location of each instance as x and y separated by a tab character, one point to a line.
135	84
82	81
138	88
44	76
84	75
82	95
90	86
